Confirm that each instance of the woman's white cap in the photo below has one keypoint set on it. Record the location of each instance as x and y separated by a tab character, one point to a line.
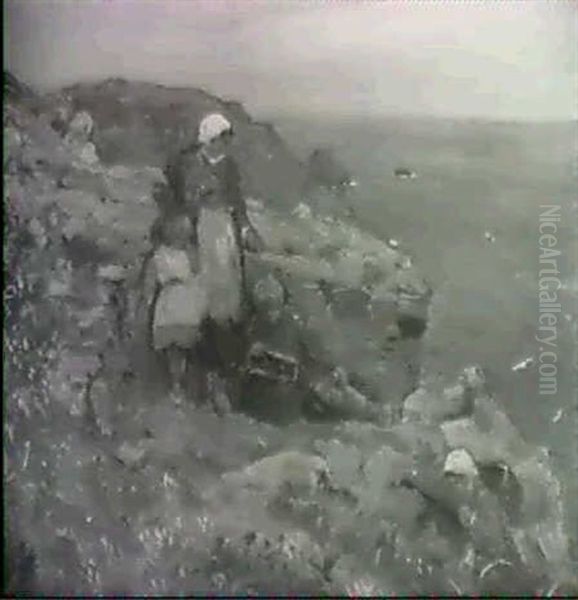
212	126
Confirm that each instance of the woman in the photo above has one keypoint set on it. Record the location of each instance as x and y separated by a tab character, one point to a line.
205	182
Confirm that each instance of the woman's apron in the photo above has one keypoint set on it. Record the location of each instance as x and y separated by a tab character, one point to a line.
220	263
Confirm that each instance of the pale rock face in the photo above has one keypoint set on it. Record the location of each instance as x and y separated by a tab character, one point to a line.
473	378
460	462
88	154
77	140
81	125
415	407
255	204
431	407
303	211
334	394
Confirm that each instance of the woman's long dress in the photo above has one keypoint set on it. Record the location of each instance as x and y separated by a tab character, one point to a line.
220	263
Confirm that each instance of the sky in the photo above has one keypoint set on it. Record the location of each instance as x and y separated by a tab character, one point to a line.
496	59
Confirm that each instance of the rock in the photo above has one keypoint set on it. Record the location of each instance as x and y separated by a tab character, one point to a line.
334	395
179	311
409	295
404	173
291	559
251	240
381	470
473	379
456	402
269	475
81	126
431	407
487	447
344	462
543	512
269	296
130	455
350	303
112	273
87	154
392	332
460	462
254	204
272	365
417	406
302	211
172	265
343	304
491	439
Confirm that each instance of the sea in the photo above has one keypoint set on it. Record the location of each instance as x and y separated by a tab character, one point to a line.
470	220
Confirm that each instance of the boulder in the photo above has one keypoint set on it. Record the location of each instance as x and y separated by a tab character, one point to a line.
87	154
302	211
431	406
271	365
460	462
272	474
81	126
334	396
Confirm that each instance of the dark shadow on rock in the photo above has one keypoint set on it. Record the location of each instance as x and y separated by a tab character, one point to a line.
411	327
504	484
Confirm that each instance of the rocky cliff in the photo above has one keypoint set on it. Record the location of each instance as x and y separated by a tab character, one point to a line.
333	471
139	124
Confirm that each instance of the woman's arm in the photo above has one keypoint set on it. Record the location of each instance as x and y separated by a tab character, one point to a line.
248	236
